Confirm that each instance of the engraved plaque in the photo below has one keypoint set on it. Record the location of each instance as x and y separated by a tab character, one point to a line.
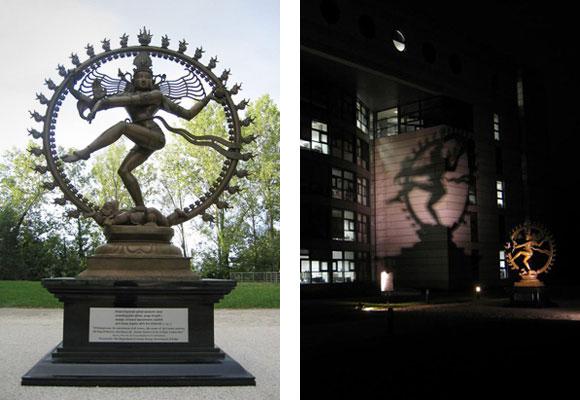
138	325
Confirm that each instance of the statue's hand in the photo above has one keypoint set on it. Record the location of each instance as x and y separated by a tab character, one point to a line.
96	108
91	116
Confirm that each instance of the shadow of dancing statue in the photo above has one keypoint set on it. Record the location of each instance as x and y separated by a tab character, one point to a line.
431	176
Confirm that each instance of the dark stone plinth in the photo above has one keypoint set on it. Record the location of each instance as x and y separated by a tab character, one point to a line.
529	296
192	360
227	372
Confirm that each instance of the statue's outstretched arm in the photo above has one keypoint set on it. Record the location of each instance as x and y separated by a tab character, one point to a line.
189	113
80	97
186	113
84	102
127	99
124	100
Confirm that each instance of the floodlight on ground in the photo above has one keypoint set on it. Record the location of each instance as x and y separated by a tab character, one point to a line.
477	291
386	281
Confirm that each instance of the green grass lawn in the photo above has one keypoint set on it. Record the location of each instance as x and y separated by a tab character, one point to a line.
252	295
245	295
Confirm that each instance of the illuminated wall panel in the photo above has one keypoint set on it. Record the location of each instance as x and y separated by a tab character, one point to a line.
421	186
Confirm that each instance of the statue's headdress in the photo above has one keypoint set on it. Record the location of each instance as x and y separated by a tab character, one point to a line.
142	63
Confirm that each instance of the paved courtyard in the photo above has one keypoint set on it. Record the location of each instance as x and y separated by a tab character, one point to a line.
459	350
251	337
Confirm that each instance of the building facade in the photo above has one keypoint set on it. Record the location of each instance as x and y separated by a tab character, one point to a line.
414	151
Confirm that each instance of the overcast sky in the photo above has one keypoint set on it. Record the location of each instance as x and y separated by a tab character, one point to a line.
36	36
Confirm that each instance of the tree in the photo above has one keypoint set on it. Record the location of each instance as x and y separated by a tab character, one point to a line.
244	236
206	165
35	240
265	180
266	168
177	172
20	185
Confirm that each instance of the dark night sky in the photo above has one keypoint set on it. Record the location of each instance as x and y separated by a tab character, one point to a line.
527	31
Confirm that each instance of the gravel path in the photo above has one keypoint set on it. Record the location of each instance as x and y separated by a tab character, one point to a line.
251	337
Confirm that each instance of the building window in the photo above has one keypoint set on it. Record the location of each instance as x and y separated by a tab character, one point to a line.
305	271
503	271
362	264
433	111
362	192
348	151
343	266
498	160
471	156
500	190
362	154
362	117
411	117
343	225
501	227
362	228
348	108
342	148
318	140
313	271
336	147
342	185
472	191
496	135
387	122
473	227
520	92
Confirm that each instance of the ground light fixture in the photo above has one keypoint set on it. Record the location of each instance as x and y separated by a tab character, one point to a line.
386	282
477	291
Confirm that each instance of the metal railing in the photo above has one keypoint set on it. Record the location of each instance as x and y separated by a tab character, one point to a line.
273	277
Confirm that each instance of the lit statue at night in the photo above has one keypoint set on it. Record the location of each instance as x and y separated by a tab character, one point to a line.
531	251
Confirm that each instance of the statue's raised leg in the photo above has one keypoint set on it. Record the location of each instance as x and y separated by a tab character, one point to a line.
140	135
106	138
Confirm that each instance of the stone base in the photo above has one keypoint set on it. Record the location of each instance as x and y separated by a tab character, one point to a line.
139	351
530	281
529	296
48	372
138	252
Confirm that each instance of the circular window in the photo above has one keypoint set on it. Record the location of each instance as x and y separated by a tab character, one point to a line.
455	64
366	26
330	11
399	40
429	53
